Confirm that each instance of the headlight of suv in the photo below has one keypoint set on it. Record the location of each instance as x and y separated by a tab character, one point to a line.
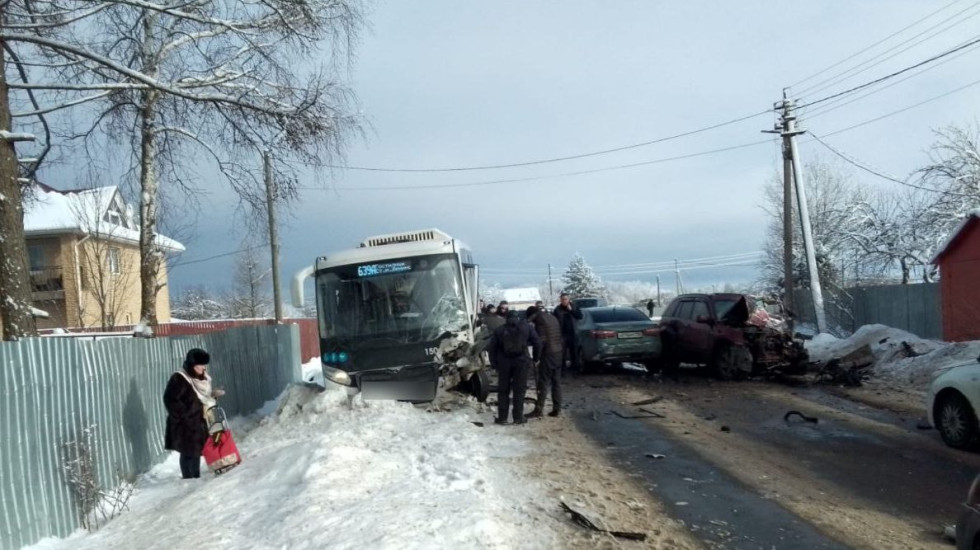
336	376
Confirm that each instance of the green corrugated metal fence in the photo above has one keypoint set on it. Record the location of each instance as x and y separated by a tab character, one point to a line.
53	388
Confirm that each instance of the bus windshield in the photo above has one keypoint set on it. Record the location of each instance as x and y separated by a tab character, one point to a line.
395	301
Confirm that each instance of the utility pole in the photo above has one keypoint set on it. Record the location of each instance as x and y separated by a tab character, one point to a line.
658	291
551	291
677	278
789	132
273	235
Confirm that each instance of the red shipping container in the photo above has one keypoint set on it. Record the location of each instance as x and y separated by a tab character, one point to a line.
220	452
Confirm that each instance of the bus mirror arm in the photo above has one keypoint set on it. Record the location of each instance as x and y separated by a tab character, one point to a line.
297	286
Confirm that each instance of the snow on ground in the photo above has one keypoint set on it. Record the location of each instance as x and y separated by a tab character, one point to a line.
316	474
313	371
892	361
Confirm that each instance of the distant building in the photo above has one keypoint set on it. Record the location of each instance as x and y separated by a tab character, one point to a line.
520	298
959	268
83	250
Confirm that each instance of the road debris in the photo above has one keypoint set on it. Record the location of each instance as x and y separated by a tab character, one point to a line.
580	519
790	414
648	414
726	429
655	455
650	401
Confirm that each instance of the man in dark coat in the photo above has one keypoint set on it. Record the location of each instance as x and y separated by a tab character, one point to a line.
186	427
549	361
567	314
650	308
508	351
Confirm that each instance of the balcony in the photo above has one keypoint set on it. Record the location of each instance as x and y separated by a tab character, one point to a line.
47	283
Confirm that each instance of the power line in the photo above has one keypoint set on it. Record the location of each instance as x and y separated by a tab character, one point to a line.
902	110
216	256
557	159
537	178
894	74
864	167
836	104
896	33
878	59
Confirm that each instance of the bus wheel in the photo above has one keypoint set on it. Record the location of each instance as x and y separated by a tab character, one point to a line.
480	385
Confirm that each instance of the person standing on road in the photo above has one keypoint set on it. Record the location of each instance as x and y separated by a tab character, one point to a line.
508	350
549	361
187	397
567	314
650	308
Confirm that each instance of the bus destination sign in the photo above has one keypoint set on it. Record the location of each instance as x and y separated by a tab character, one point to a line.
372	270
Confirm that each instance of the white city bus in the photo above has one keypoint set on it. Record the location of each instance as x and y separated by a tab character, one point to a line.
397	316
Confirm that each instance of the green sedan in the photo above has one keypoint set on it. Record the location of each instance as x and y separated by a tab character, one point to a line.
618	334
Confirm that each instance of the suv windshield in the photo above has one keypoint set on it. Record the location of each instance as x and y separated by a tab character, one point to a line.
401	301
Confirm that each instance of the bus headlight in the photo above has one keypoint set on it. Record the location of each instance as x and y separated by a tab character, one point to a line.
336	376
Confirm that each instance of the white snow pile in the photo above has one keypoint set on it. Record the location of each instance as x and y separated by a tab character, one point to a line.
892	359
316	474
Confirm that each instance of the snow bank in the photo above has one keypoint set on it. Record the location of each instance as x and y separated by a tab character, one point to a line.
892	361
318	475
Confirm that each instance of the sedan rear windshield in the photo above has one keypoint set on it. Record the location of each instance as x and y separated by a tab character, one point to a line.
617	315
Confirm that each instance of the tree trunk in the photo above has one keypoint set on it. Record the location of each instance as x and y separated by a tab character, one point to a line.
150	254
905	271
15	282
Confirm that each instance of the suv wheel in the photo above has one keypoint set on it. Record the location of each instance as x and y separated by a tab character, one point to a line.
731	362
956	421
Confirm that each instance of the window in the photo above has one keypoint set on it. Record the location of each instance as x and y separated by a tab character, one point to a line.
685	309
35	254
700	310
614	315
113	261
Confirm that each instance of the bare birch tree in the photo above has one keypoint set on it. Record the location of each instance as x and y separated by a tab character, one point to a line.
177	81
249	296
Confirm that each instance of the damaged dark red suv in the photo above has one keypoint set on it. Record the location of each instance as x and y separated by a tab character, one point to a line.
730	334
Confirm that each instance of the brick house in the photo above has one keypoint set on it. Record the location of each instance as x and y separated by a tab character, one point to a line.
959	284
83	250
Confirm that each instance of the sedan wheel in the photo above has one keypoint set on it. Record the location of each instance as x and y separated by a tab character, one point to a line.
956	421
732	362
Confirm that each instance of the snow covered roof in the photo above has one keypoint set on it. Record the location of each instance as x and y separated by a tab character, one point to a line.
526	294
952	237
100	210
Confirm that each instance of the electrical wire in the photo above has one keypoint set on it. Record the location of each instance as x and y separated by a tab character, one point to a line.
839	103
951	51
902	110
868	169
557	159
877	59
852	56
216	256
538	178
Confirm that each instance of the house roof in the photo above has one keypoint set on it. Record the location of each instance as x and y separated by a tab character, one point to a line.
53	212
954	236
526	294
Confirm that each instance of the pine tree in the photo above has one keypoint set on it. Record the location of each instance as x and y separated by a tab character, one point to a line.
580	281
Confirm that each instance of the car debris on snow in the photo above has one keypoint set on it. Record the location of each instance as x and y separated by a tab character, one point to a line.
584	521
805	418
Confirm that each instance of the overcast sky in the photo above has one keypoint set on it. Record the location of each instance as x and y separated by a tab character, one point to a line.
458	84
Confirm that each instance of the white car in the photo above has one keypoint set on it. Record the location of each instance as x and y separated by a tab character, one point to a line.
953	402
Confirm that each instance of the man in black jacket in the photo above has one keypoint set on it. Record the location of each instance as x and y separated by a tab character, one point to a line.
549	361
567	314
508	352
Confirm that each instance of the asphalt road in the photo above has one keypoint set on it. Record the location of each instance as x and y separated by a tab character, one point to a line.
855	457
